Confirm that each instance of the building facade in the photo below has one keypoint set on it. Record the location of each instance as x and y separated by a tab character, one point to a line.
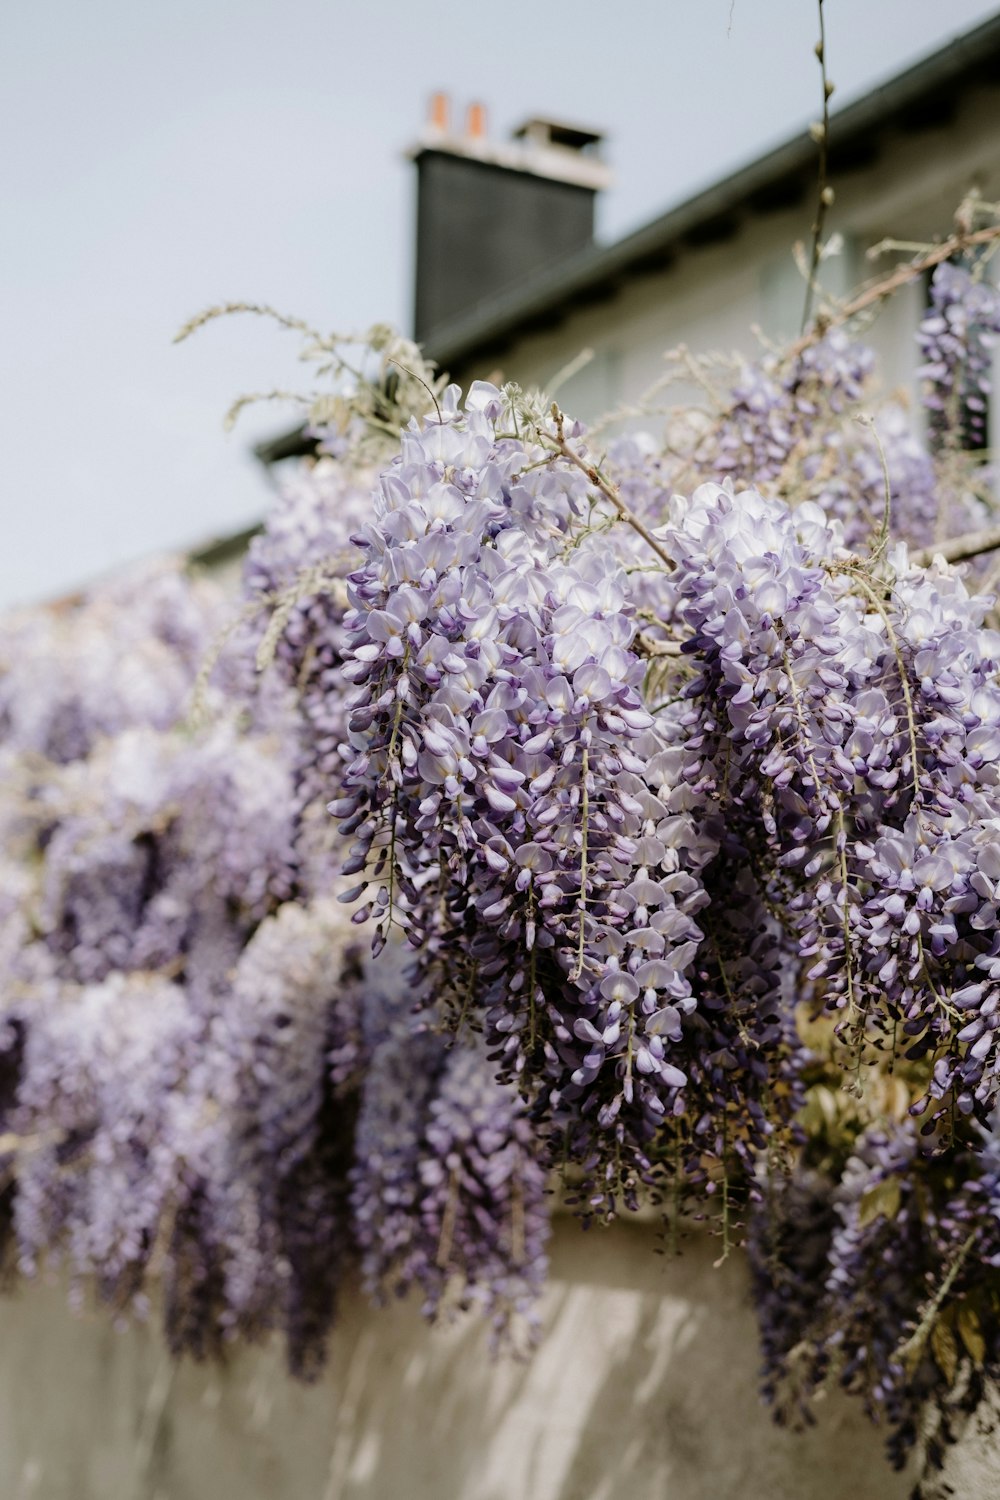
712	270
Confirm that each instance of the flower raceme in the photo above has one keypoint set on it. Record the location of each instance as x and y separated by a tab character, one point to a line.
506	783
859	716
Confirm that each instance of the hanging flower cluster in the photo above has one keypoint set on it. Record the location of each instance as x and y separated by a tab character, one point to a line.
506	789
956	340
886	1281
624	829
191	1031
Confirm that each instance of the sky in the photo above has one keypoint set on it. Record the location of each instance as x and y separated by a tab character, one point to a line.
164	155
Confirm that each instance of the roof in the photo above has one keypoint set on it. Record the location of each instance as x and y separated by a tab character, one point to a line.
923	96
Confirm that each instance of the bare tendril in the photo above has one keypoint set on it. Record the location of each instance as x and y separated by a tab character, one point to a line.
882	536
820	132
414	375
258	309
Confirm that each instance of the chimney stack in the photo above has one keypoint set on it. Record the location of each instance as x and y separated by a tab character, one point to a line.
490	215
439	112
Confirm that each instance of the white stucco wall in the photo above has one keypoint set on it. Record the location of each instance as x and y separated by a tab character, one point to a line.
712	297
644	1388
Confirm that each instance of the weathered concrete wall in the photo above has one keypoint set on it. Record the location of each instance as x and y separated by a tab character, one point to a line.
644	1387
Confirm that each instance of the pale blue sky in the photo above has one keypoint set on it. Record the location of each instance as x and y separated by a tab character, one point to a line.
160	155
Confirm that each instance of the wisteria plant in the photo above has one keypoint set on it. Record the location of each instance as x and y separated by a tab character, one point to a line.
556	821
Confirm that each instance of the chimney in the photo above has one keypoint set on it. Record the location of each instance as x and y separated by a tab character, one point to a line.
490	215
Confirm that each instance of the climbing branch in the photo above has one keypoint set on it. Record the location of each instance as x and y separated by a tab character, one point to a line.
959	548
955	244
608	490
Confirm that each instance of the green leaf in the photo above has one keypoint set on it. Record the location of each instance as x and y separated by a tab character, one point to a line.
971	1334
881	1200
945	1349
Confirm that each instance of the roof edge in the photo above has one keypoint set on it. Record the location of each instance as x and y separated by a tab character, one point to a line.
498	318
